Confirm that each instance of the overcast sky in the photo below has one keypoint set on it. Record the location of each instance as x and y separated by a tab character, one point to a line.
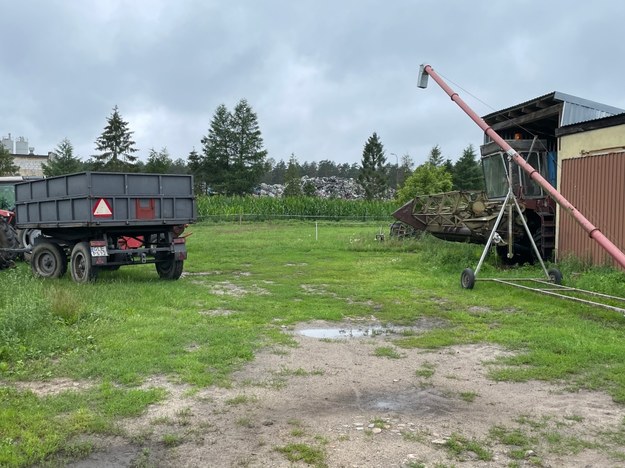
321	75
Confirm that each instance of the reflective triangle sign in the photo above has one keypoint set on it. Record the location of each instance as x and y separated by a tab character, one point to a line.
102	208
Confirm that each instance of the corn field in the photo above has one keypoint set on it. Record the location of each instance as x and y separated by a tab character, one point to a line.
237	208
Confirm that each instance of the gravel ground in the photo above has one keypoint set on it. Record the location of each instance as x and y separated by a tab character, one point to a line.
344	403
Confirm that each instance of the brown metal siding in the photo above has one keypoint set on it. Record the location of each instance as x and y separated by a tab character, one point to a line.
595	185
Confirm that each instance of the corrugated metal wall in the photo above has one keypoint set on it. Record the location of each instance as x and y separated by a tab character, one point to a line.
595	185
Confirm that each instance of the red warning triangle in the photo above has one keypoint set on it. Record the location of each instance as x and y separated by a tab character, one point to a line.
102	208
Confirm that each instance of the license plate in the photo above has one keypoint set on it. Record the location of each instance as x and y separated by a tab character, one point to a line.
99	252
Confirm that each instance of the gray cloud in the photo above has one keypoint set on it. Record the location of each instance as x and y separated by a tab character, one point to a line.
322	76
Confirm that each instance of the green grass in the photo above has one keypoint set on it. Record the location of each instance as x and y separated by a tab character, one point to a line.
387	352
426	370
303	452
458	446
129	326
469	397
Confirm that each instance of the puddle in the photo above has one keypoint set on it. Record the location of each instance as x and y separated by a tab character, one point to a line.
323	330
419	401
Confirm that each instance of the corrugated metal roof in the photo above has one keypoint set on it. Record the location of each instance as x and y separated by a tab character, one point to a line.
577	110
574	109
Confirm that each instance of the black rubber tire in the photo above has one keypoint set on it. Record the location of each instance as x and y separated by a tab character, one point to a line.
168	268
8	240
26	239
80	262
467	278
555	275
48	260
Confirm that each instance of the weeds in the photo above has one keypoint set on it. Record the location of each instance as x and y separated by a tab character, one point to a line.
304	452
426	371
469	397
387	352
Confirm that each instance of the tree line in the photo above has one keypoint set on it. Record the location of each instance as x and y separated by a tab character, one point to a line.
232	160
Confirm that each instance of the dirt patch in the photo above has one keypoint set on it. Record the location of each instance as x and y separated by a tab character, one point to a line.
226	288
339	401
53	386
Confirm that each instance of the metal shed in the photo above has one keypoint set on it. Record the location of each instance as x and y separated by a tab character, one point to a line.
592	174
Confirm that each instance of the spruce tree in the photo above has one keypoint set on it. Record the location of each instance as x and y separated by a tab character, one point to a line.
159	162
217	150
116	145
436	156
467	173
293	183
62	161
196	168
373	173
247	157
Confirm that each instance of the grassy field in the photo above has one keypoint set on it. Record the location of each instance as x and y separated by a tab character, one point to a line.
244	282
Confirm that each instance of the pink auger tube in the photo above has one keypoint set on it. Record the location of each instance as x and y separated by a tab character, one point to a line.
593	231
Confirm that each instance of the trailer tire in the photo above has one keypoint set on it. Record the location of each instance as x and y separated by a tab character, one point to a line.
8	240
168	268
80	262
48	260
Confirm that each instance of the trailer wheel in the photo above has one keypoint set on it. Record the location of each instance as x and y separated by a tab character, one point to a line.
467	279
82	270
168	268
555	275
48	260
8	240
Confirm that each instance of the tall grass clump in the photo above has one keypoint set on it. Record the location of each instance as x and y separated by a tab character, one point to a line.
234	208
583	274
22	308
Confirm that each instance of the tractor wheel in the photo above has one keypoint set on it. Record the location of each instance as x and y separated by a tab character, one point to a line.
168	268
467	279
82	270
555	275
8	240
48	260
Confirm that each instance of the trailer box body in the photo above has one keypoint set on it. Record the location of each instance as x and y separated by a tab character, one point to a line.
101	199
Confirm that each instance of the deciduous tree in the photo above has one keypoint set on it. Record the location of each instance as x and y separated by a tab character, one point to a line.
426	179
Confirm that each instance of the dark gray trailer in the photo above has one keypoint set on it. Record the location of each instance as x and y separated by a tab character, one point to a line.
101	220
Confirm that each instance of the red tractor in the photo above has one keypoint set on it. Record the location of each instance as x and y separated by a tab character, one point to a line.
8	235
13	242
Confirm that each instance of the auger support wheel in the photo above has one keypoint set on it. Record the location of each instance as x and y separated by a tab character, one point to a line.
555	275
467	278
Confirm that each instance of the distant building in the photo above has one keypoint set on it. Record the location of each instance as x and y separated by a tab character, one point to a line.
24	156
30	164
